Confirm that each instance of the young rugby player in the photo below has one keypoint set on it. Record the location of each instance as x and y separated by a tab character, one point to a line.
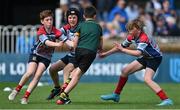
40	55
65	63
149	59
89	41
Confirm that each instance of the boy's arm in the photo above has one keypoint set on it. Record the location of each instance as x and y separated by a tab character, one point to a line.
126	43
71	44
44	39
53	44
140	47
136	53
65	39
109	52
128	51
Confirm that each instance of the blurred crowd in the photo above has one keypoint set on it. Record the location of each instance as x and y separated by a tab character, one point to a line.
159	16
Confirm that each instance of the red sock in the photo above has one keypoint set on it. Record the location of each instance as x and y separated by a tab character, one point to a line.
120	85
18	88
162	95
64	86
27	94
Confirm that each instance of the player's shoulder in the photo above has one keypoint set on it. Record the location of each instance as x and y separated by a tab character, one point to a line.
56	31
130	37
144	37
41	30
66	26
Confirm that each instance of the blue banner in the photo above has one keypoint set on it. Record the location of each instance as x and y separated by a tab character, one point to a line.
13	66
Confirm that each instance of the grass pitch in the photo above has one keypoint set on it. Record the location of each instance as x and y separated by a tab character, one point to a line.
87	96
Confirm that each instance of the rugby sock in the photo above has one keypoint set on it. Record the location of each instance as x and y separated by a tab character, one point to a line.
120	85
64	95
162	95
68	80
57	87
66	84
27	94
18	88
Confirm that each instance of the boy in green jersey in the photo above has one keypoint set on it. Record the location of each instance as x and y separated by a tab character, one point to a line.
88	42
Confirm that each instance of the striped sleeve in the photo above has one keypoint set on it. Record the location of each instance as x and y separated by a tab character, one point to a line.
127	42
43	38
143	43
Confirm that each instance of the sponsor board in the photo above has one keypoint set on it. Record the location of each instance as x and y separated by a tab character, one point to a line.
13	66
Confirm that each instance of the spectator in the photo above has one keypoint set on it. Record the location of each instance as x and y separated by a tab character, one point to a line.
153	7
172	27
114	27
161	27
106	32
167	11
119	15
85	3
132	11
103	9
147	19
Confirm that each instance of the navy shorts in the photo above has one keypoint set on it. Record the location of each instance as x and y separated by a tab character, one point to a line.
84	58
152	63
37	59
68	59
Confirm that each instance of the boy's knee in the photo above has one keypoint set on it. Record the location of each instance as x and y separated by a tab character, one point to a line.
37	77
124	72
52	70
28	74
147	80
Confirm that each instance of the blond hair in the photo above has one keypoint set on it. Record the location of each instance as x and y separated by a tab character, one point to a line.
135	24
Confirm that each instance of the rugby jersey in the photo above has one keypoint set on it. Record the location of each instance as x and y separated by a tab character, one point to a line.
69	34
146	44
40	48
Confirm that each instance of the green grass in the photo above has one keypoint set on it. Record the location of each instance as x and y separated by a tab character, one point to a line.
87	96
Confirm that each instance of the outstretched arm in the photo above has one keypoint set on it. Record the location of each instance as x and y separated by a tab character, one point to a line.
136	53
109	52
53	44
45	40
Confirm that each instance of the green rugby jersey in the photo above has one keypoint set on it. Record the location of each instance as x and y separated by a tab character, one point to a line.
90	34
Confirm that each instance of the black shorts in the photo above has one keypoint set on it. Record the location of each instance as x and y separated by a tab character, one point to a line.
37	59
68	59
84	58
152	63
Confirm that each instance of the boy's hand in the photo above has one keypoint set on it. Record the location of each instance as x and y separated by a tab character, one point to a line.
118	46
102	54
60	43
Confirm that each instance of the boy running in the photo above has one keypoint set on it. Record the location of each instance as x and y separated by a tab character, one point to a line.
149	59
40	55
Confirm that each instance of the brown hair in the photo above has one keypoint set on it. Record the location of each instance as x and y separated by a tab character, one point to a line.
45	14
89	11
135	23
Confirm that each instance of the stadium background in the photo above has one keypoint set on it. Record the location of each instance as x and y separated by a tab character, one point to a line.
19	20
